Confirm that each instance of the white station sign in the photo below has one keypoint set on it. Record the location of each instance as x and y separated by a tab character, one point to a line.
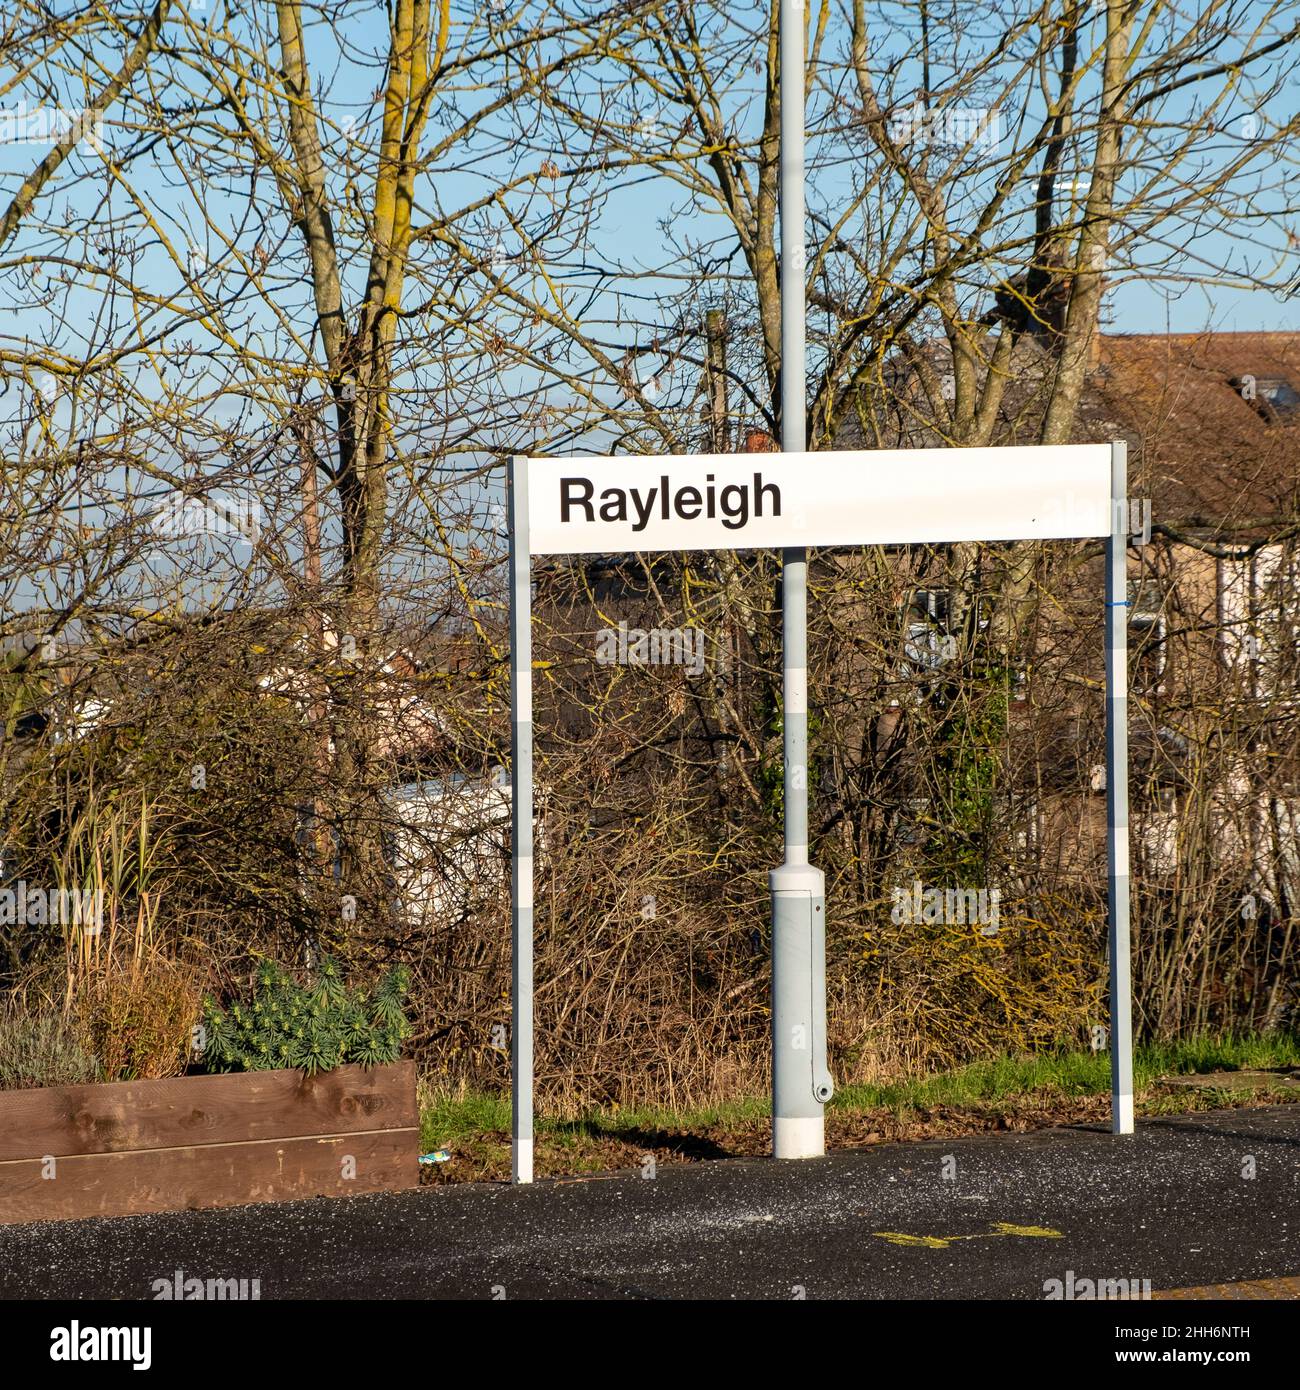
579	506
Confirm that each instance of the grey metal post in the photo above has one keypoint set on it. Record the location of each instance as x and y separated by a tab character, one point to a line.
801	1083
1121	968
521	811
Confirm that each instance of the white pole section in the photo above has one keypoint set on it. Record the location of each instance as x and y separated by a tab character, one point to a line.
1121	965
521	811
801	1083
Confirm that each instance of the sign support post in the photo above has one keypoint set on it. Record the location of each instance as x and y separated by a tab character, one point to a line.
590	505
521	813
1121	965
801	1082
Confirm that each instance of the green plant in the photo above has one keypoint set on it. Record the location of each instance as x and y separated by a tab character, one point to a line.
315	1028
967	772
43	1048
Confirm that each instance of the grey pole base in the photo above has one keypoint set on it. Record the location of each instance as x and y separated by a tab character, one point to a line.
801	1080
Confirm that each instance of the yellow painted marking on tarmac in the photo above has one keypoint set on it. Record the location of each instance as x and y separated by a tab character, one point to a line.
933	1242
1000	1228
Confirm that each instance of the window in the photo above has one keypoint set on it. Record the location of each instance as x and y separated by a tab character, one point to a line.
1259	619
929	642
1274	398
1157	828
910	825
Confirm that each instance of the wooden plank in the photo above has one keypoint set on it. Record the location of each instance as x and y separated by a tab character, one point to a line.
233	1107
217	1175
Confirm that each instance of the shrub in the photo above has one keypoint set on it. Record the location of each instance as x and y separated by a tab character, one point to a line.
43	1048
139	1017
315	1028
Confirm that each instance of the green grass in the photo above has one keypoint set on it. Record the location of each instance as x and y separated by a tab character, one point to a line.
1003	1081
1070	1074
1221	1054
444	1119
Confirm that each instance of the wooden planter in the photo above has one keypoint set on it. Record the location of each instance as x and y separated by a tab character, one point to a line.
206	1141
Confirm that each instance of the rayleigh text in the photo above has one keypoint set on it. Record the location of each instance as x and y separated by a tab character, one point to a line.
733	504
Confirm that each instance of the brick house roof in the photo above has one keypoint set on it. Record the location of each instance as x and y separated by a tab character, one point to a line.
1202	447
1199	445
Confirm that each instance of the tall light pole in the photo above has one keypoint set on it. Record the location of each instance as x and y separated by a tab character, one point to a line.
801	1081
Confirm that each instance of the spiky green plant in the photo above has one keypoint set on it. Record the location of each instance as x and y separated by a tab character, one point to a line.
316	1027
